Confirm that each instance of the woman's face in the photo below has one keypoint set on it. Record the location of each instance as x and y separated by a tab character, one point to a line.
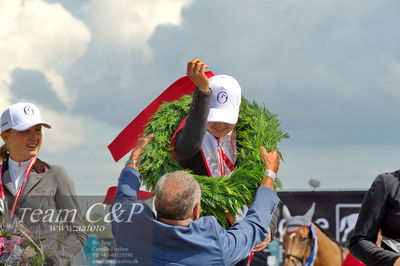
23	145
219	129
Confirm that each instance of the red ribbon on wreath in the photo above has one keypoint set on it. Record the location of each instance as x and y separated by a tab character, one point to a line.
126	140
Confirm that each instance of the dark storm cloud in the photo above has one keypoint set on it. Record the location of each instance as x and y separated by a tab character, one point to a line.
329	69
32	85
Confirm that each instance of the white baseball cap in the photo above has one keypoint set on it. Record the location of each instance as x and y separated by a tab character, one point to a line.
21	116
225	99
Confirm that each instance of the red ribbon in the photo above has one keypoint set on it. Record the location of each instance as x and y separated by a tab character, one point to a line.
223	158
21	188
112	191
297	229
126	140
180	127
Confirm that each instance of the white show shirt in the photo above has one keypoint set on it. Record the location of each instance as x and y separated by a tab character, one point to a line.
17	172
211	146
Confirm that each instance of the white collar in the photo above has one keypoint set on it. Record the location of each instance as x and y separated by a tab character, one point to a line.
17	165
17	170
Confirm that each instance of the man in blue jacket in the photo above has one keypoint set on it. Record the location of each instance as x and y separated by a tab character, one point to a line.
178	235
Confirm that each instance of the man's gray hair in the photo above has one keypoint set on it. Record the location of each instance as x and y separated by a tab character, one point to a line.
177	194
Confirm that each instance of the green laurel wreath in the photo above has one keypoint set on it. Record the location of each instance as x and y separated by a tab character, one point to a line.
256	127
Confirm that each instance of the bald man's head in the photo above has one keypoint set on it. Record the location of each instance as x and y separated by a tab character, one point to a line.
177	194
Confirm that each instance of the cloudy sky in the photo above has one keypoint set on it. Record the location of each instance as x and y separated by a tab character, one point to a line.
330	69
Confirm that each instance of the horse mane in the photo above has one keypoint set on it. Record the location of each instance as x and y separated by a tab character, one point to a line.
328	235
344	251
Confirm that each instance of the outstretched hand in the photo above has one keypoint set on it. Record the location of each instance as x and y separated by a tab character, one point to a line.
140	144
195	71
270	159
143	141
264	243
271	162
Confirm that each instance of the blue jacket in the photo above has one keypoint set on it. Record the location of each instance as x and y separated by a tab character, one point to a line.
142	240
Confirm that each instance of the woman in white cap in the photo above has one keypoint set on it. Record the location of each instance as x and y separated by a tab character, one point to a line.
205	142
35	193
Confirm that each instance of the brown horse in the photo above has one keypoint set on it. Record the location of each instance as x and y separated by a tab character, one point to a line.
306	244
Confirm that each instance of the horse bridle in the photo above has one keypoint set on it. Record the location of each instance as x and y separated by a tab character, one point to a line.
302	259
309	244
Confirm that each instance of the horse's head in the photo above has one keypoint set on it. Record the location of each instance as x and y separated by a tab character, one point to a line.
298	239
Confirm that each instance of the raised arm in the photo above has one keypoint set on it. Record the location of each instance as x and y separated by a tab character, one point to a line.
240	239
188	140
129	180
271	164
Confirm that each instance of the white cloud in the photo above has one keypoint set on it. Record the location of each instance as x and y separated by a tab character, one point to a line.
66	134
127	24
39	36
44	37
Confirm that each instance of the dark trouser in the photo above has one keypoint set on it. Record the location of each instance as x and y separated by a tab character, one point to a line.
242	262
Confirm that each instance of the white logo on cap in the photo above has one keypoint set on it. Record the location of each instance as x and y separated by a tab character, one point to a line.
222	97
28	110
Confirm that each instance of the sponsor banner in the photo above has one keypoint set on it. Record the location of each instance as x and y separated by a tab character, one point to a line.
335	211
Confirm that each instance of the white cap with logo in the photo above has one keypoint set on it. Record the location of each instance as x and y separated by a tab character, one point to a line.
21	116
225	99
